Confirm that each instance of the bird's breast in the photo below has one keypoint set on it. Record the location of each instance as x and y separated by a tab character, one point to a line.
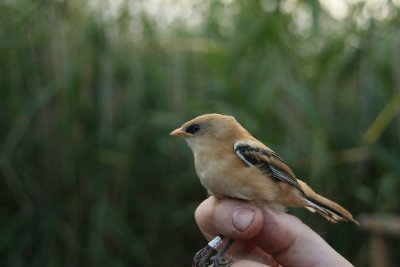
211	171
220	176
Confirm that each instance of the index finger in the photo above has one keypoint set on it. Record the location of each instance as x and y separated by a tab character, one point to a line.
292	243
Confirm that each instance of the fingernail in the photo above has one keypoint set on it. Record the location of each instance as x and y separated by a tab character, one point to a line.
242	218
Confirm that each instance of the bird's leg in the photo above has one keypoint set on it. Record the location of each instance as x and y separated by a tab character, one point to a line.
202	257
219	259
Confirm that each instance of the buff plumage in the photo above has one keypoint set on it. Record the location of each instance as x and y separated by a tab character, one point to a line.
230	162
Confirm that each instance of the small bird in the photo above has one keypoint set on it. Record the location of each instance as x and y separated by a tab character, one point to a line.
231	162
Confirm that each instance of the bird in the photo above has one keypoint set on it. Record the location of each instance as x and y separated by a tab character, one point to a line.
231	163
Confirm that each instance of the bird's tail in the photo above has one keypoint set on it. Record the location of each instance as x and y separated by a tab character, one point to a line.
332	211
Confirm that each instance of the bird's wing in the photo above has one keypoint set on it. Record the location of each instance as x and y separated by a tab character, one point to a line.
267	161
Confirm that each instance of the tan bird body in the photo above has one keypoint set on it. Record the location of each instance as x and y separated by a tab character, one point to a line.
230	162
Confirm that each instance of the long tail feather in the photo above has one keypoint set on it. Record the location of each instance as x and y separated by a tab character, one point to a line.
332	211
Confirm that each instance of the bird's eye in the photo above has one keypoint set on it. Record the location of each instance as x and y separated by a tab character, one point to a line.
193	129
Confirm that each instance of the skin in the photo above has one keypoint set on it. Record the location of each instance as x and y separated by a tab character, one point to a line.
264	237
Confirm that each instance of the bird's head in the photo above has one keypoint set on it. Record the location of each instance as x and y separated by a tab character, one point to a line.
209	130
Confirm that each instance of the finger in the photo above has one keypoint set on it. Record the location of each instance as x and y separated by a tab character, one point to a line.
254	256
292	243
234	219
229	217
248	263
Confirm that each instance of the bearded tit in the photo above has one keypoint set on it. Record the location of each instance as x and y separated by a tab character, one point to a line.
231	162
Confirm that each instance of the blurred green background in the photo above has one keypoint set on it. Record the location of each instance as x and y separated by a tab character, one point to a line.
89	91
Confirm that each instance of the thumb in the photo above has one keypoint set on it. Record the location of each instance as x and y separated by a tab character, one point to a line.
229	217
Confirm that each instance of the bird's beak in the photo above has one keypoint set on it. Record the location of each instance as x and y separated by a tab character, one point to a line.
179	133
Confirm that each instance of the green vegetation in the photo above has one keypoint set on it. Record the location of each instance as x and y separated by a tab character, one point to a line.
88	173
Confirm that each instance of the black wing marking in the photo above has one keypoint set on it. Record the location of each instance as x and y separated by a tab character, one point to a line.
263	159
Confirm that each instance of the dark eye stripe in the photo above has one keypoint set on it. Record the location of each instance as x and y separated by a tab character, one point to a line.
193	129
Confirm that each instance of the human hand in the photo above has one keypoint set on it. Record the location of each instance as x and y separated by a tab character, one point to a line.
264	237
